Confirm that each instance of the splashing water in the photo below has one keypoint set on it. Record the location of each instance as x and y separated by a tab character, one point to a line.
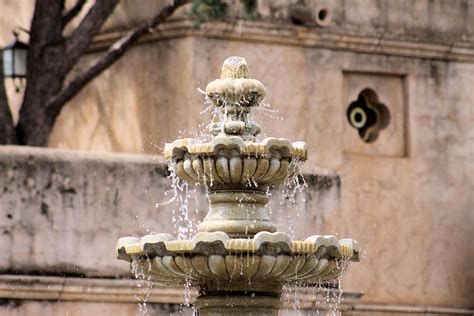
294	182
187	292
267	110
180	195
218	115
143	282
290	296
187	298
291	193
328	295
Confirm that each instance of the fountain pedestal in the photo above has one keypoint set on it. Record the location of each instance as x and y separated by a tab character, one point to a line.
234	304
239	214
237	260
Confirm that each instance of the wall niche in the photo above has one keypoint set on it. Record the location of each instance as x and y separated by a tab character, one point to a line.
375	114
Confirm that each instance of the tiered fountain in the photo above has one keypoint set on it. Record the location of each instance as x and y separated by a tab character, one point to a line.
237	260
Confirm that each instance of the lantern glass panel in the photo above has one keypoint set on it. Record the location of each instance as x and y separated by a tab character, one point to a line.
8	62
20	56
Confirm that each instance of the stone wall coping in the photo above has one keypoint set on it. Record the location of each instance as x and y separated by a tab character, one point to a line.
55	154
52	288
458	50
30	287
313	175
110	290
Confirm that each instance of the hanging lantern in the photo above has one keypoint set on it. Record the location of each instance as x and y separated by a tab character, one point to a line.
14	59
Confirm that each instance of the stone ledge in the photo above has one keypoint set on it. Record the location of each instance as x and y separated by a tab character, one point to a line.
264	32
50	288
319	177
28	287
409	309
26	153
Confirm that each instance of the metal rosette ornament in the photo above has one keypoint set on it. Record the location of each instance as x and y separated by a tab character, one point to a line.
237	248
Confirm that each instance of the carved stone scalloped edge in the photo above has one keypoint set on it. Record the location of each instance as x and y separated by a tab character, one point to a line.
233	89
179	147
263	243
216	262
233	170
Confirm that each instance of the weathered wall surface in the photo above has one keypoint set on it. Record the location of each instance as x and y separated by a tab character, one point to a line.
62	212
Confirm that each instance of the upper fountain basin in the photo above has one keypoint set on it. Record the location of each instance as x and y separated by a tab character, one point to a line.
235	88
232	161
238	92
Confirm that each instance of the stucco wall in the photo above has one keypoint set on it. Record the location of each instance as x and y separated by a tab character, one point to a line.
63	212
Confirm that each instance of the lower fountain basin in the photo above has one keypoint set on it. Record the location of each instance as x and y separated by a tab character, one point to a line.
215	262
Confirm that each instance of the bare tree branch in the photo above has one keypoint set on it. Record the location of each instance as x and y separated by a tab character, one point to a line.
7	128
111	56
73	12
80	39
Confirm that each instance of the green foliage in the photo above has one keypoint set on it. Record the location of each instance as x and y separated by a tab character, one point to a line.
207	10
250	9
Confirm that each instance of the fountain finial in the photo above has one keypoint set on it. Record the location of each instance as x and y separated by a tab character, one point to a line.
235	67
235	94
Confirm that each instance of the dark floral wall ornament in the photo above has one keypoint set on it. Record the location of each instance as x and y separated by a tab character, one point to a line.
368	115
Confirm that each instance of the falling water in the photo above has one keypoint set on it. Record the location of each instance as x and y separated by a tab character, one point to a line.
181	195
267	110
294	182
290	193
187	292
143	282
329	293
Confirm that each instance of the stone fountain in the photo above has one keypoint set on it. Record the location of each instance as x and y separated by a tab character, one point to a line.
238	261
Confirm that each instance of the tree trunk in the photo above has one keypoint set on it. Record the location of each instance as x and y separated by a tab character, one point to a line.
43	76
35	123
34	128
